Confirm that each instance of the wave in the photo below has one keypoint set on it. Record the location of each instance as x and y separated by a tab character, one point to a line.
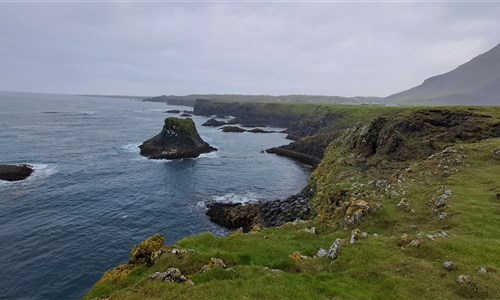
212	154
132	148
66	113
236	198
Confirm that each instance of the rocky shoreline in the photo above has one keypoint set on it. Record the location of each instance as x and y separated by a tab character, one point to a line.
262	213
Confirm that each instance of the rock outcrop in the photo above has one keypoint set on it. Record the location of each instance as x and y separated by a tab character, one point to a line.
232	129
15	172
213	122
147	251
262	213
178	139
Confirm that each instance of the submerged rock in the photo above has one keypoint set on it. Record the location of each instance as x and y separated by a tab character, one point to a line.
173	111
258	130
15	172
213	123
178	139
232	129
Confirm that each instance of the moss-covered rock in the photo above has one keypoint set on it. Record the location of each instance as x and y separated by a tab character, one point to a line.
147	251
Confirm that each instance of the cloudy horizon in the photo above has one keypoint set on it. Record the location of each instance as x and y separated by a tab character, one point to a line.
345	49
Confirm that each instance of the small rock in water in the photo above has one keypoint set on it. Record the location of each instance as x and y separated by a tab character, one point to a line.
449	266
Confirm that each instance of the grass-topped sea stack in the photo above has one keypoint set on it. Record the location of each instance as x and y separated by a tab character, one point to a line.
178	139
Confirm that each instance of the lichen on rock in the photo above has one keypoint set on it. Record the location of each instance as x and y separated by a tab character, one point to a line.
147	251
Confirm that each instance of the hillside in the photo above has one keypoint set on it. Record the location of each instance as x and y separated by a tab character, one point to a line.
408	206
476	82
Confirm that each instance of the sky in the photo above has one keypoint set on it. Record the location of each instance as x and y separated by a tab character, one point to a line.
173	48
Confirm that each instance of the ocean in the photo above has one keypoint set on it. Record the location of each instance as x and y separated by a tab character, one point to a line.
92	197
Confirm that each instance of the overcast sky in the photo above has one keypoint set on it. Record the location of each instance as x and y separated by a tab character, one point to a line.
343	49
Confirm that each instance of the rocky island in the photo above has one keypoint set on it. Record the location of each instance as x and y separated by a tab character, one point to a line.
178	139
15	172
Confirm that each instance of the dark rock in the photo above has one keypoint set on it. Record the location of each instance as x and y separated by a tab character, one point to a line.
214	123
188	112
178	139
263	213
186	115
233	121
15	172
253	125
258	130
173	111
232	129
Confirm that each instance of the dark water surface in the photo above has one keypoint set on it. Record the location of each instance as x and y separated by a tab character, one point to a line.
93	197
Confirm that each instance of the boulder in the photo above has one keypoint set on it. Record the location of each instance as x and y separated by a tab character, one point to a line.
186	115
15	172
173	111
449	266
147	251
232	129
334	250
178	139
171	275
215	263
213	123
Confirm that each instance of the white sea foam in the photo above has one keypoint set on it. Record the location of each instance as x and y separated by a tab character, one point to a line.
132	148
212	154
42	171
236	198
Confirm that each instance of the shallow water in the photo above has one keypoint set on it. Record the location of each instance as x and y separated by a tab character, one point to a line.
92	197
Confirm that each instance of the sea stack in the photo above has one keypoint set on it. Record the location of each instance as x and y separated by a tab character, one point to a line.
178	139
15	172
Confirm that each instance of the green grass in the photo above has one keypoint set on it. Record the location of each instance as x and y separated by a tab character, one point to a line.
375	267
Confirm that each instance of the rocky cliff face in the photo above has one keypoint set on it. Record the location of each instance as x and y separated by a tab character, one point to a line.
249	113
178	139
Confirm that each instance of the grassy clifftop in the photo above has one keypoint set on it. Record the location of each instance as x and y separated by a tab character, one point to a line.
406	191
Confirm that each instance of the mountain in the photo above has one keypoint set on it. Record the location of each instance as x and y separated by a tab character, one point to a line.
476	82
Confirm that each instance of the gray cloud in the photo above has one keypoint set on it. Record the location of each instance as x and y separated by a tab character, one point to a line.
249	48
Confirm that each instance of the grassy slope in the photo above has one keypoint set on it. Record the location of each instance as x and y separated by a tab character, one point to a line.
375	267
